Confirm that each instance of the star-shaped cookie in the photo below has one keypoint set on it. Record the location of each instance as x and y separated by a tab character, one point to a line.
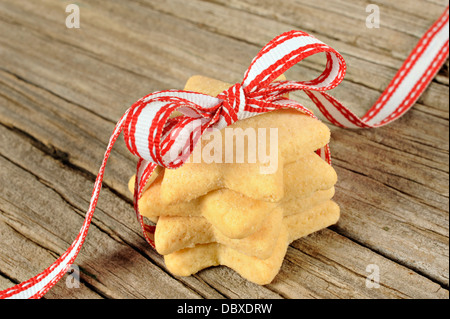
236	215
188	261
175	233
297	134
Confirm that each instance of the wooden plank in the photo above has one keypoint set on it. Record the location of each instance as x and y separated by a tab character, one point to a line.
62	91
115	258
366	67
329	265
20	250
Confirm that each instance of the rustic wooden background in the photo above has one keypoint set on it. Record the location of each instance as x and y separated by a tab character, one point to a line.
62	90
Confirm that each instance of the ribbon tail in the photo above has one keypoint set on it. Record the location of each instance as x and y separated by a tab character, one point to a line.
411	80
144	171
325	153
37	286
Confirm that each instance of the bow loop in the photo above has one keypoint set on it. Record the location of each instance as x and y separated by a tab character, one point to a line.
164	127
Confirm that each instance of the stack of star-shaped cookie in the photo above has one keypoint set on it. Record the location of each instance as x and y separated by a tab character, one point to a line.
232	214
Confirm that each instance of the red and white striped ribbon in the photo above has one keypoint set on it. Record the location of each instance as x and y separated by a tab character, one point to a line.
160	139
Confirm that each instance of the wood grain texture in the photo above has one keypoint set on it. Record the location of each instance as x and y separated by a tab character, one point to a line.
62	91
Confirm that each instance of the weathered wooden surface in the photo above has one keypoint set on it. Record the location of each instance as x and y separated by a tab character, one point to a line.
62	90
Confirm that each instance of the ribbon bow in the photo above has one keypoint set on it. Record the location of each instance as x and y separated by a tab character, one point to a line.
153	134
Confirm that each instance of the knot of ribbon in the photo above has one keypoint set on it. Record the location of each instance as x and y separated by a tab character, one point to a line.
161	137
